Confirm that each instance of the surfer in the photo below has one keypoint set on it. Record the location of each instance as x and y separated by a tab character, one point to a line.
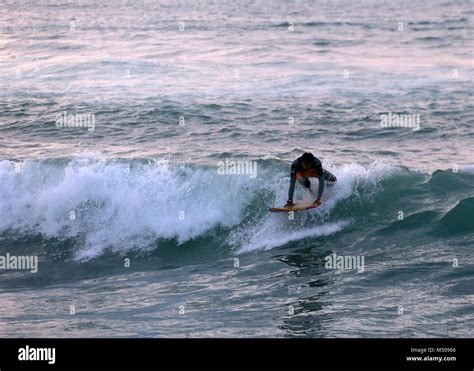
304	167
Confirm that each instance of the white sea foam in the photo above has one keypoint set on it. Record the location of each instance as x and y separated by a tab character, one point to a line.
114	208
268	241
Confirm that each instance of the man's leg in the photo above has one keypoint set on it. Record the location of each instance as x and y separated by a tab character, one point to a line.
328	177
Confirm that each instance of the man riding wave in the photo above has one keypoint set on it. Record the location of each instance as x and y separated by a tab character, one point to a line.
304	167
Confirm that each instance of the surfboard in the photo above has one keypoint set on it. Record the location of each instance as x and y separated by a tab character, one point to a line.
296	207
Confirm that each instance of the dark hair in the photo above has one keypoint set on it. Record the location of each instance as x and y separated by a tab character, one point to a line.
307	157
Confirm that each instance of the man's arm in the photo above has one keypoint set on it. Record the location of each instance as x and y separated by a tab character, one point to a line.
291	191
320	189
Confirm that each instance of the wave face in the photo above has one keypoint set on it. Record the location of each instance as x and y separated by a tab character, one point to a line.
117	206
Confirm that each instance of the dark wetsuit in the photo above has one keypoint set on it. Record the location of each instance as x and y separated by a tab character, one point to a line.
297	166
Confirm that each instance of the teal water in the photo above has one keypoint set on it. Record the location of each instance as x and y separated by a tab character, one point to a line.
176	88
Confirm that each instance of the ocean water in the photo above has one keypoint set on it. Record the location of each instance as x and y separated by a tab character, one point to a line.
139	234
